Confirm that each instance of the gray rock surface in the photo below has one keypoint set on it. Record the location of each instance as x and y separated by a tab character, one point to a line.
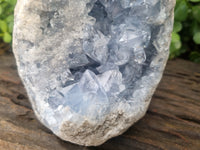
90	67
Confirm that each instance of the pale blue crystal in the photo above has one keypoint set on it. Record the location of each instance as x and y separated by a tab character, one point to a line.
90	67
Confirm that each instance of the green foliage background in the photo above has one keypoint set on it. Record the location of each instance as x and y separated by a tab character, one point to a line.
186	34
185	37
6	19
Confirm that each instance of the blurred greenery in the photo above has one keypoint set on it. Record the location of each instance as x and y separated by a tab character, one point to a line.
185	37
6	19
186	34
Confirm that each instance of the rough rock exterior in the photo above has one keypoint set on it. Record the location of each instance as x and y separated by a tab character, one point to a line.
90	67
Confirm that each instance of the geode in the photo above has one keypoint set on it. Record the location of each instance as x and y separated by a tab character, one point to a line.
90	67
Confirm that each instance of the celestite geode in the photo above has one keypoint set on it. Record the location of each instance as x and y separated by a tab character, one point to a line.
90	67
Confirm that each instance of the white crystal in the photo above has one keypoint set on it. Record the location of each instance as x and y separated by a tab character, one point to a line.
90	67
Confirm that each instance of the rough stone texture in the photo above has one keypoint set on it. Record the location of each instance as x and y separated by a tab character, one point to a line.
91	67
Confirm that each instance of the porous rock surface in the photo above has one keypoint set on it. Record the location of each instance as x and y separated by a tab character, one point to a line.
90	67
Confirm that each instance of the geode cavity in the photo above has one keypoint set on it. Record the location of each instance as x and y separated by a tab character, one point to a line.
90	67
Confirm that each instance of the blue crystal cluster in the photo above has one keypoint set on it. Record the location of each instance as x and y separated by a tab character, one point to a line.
116	49
90	67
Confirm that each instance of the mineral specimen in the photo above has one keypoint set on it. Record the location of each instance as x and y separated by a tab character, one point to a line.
90	67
